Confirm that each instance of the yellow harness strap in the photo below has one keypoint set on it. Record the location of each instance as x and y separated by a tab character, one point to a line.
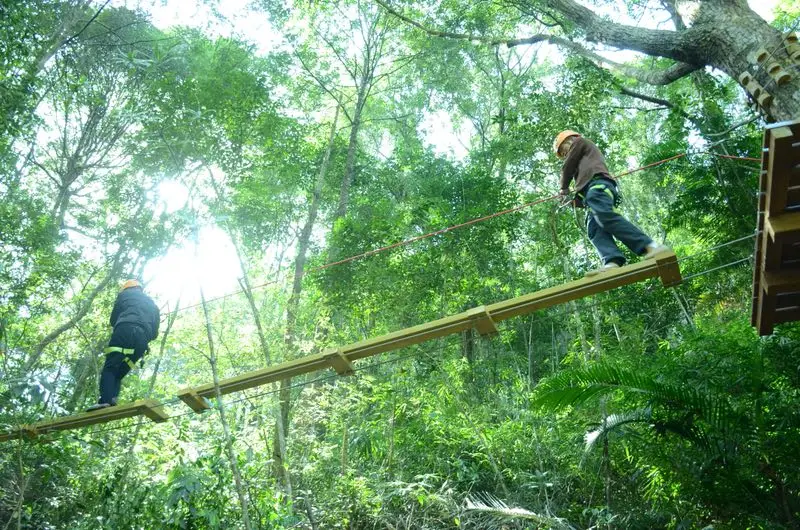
127	352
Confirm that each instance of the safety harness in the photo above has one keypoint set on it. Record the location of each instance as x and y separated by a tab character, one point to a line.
616	199
127	353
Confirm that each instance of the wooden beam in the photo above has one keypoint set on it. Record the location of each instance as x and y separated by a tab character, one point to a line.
783	228
196	402
147	407
780	159
779	282
787	315
668	269
482	320
310	363
339	362
577	289
154	410
409	336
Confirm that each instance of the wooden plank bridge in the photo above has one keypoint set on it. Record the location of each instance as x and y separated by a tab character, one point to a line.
146	407
776	270
341	359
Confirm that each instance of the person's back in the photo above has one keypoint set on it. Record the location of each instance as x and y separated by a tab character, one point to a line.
134	307
135	319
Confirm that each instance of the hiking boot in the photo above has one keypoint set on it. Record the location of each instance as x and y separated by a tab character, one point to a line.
610	266
98	406
653	250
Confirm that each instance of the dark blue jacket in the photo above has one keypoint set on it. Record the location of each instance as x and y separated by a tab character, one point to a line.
134	307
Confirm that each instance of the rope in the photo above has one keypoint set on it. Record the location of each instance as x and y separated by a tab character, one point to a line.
457	226
731	264
685	258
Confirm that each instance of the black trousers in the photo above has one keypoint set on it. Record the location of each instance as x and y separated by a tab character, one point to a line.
604	223
131	338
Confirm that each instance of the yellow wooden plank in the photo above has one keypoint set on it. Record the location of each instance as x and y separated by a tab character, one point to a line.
310	363
483	318
576	289
147	407
408	336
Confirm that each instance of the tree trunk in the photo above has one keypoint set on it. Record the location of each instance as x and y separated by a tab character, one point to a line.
170	321
531	357
345	447
237	478
598	332
349	174
284	395
683	305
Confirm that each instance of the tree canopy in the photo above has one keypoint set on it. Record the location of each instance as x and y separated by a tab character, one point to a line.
370	166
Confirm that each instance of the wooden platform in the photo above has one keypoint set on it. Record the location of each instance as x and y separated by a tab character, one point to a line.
776	273
482	318
147	407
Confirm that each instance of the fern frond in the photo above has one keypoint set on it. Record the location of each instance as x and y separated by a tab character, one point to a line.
640	415
576	387
488	504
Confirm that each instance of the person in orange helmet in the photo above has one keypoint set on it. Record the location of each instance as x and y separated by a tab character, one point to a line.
596	190
135	319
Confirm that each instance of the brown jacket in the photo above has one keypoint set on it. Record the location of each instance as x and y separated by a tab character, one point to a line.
583	162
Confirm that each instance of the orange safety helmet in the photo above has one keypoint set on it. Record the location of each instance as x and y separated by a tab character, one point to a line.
130	283
563	135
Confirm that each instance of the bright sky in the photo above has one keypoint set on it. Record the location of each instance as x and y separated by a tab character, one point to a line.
213	263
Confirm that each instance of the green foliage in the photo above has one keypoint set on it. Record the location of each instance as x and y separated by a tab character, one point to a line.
638	408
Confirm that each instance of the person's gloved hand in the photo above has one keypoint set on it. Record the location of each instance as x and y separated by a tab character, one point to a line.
564	197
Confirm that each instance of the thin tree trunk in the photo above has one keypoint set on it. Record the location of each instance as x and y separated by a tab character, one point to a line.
682	304
284	395
572	306
309	510
345	449
598	332
237	478
347	181
531	358
162	347
390	451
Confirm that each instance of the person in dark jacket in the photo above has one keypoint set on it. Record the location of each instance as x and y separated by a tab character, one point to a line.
135	319
596	190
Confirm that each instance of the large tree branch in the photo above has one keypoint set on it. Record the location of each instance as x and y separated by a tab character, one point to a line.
678	45
658	101
661	77
649	77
